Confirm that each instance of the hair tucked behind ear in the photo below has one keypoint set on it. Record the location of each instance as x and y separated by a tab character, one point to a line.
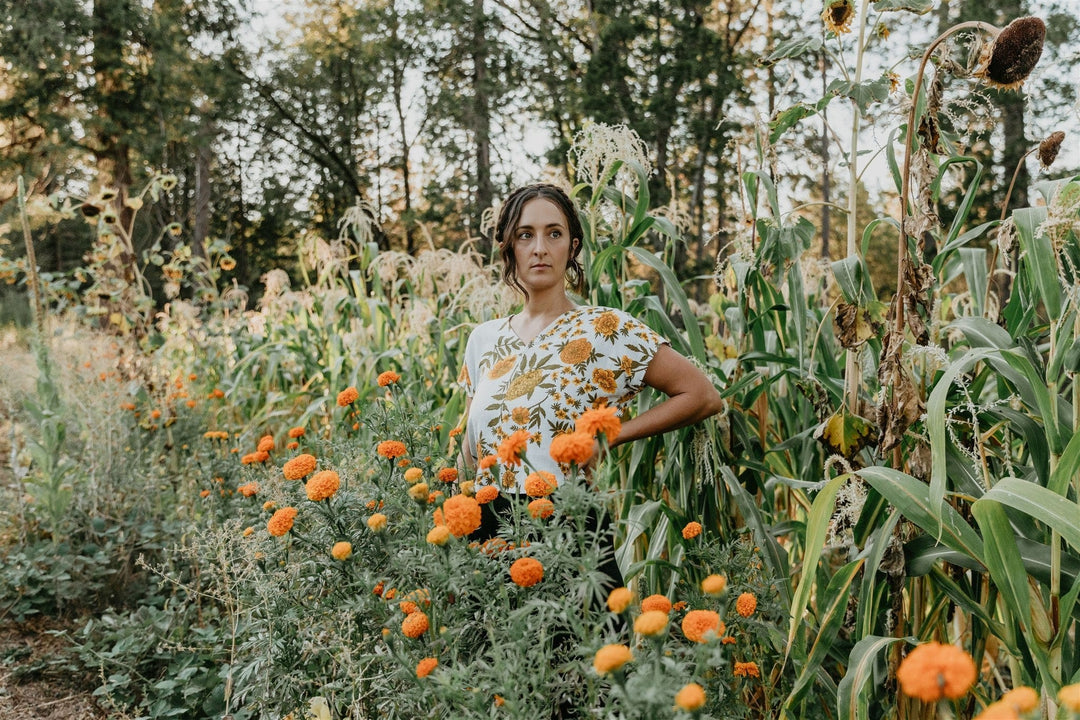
508	220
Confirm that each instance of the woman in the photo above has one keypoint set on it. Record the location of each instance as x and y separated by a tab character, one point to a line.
542	367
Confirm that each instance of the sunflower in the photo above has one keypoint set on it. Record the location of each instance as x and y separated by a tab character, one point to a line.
838	15
1009	58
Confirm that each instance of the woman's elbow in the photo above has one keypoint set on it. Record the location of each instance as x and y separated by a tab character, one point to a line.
711	403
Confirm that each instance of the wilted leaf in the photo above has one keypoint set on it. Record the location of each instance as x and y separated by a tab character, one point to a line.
854	325
786	119
845	433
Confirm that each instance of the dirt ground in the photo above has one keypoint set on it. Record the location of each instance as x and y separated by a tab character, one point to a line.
36	678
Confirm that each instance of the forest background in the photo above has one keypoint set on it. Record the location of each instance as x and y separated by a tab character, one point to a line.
277	118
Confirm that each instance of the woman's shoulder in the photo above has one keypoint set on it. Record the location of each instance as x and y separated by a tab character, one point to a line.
486	332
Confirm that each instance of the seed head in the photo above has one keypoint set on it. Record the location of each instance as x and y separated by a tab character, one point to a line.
838	15
1048	149
1012	55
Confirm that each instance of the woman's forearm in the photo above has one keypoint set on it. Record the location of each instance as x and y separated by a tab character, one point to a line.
676	412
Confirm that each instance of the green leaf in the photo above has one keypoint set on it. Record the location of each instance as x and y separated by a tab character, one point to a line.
817	526
912	498
793	47
1040	260
787	119
1068	466
919	7
848	273
835	602
1046	506
1003	560
864	93
851	699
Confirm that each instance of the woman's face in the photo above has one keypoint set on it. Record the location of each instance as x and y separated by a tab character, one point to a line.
541	245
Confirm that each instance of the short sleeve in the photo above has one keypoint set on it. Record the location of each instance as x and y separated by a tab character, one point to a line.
638	346
468	367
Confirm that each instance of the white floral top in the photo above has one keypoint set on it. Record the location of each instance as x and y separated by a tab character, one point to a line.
587	357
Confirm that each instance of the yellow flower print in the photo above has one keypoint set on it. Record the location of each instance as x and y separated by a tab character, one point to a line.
520	415
576	351
626	364
502	367
605	380
524	384
606	324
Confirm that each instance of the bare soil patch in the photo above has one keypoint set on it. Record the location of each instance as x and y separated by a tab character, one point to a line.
38	679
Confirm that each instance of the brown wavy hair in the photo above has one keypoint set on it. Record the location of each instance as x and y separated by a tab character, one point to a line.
509	217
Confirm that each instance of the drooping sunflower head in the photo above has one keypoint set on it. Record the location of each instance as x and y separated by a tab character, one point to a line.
838	15
1048	149
1006	61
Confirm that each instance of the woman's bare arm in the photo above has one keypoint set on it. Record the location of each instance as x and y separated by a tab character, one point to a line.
691	397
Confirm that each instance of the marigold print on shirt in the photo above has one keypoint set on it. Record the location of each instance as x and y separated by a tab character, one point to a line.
588	357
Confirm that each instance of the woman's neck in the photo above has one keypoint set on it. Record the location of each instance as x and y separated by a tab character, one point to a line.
547	305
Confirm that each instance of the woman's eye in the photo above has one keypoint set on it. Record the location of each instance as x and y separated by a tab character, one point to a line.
556	234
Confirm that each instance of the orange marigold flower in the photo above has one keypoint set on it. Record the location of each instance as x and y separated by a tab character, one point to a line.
702	625
247	459
611	658
269	505
728	640
323	485
541	508
746	669
425	666
390	594
603	420
656	602
1069	696
127	406
448	475
526	572
281	521
377	591
296	432
619	599
691	530
746	604
679	606
155	414
998	711
299	467
487	461
248	489
1022	699
651	623
266	443
486	494
347	396
438	535
419	493
377	522
499	701
540	484
690	698
933	671
204	493
461	515
292	446
341	550
413	474
415	624
408	607
467	488
713	584
575	447
249	531
390	449
511	448
190	403
387	378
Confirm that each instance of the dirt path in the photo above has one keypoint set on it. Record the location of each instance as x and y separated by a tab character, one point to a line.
37	678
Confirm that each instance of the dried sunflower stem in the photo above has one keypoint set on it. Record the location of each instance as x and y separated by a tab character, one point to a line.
852	368
909	136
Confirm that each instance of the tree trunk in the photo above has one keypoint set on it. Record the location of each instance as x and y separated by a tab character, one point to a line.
481	120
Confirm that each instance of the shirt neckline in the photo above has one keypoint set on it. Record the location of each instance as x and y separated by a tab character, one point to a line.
544	331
